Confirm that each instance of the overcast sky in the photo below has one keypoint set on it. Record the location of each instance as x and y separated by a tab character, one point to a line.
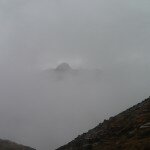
110	35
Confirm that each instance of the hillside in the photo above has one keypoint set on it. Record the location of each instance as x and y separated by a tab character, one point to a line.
8	145
129	130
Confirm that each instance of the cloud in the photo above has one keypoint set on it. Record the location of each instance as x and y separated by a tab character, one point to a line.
107	36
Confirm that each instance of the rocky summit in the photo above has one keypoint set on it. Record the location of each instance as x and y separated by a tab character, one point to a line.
63	67
8	145
129	130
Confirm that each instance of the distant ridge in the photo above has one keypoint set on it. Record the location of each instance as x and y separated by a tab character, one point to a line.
9	145
129	130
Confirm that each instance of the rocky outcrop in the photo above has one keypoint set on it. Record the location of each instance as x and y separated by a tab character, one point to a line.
129	130
8	145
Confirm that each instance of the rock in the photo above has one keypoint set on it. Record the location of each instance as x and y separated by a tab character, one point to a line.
146	125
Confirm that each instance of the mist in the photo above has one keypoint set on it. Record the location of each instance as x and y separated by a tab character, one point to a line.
105	43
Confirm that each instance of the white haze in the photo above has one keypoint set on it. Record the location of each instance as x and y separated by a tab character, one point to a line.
106	41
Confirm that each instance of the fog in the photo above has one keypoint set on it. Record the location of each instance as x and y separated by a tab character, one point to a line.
105	42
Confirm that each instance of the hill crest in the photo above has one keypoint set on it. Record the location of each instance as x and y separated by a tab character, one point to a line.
9	145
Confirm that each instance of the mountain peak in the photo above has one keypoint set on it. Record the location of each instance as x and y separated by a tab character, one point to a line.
63	67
